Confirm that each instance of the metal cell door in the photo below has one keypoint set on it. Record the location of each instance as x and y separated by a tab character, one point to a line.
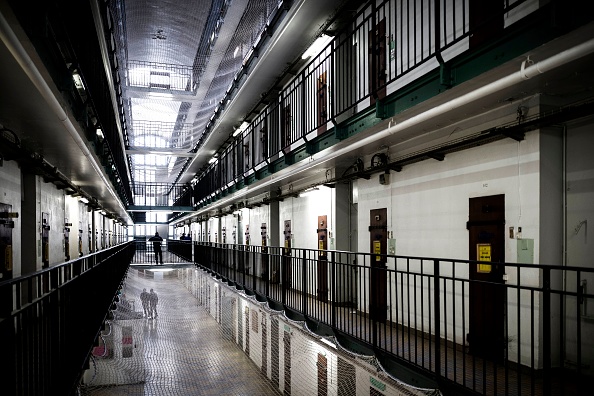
486	292
322	258
286	270
377	61
378	236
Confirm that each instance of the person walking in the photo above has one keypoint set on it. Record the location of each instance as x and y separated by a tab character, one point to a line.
144	298
156	240
153	300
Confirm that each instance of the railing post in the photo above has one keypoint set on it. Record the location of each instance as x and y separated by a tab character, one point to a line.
304	282
437	316
546	332
333	286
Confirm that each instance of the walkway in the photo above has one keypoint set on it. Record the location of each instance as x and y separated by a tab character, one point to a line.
181	352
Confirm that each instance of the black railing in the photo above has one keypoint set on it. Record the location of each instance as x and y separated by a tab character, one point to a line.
155	194
50	320
422	311
173	252
386	46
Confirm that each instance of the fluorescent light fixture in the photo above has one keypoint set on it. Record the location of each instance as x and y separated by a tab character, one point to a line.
160	95
328	342
317	46
78	83
241	128
308	191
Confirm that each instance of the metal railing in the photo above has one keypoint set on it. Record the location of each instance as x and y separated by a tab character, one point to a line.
172	251
49	321
160	194
422	311
386	46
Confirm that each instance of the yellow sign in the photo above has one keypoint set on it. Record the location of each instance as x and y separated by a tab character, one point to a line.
321	244
483	253
377	249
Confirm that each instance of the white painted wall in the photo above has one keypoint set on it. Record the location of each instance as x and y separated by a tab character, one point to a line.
303	213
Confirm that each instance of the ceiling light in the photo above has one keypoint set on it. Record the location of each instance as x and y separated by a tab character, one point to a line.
213	159
78	83
160	95
308	191
317	46
241	128
83	200
100	133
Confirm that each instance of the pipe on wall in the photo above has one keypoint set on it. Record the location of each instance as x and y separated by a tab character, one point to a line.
527	70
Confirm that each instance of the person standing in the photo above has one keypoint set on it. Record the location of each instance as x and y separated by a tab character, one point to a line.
156	240
153	300
144	298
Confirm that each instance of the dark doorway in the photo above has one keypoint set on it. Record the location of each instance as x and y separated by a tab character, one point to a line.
377	61
347	384
322	103
287	259
322	258
287	353
378	236
322	375
487	294
274	353
486	21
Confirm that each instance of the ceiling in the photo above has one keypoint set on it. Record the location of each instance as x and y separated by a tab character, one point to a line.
178	62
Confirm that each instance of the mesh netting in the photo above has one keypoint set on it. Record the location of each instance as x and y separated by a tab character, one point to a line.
207	330
293	358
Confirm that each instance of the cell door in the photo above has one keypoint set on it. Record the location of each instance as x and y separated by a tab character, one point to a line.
287	260
322	375
275	352
287	353
45	229
486	21
264	367
486	292
322	258
67	226
378	236
322	99
6	226
265	257
286	130
377	62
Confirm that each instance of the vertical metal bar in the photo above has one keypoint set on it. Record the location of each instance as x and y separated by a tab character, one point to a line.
437	318
333	285
304	282
546	331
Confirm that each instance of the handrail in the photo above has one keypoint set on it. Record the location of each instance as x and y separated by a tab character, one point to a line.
428	304
78	293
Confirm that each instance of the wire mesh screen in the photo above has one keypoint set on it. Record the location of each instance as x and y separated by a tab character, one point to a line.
294	359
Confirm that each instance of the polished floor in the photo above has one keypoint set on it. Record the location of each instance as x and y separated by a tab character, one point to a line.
180	352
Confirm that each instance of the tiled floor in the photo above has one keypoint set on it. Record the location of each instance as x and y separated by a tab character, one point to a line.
181	352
